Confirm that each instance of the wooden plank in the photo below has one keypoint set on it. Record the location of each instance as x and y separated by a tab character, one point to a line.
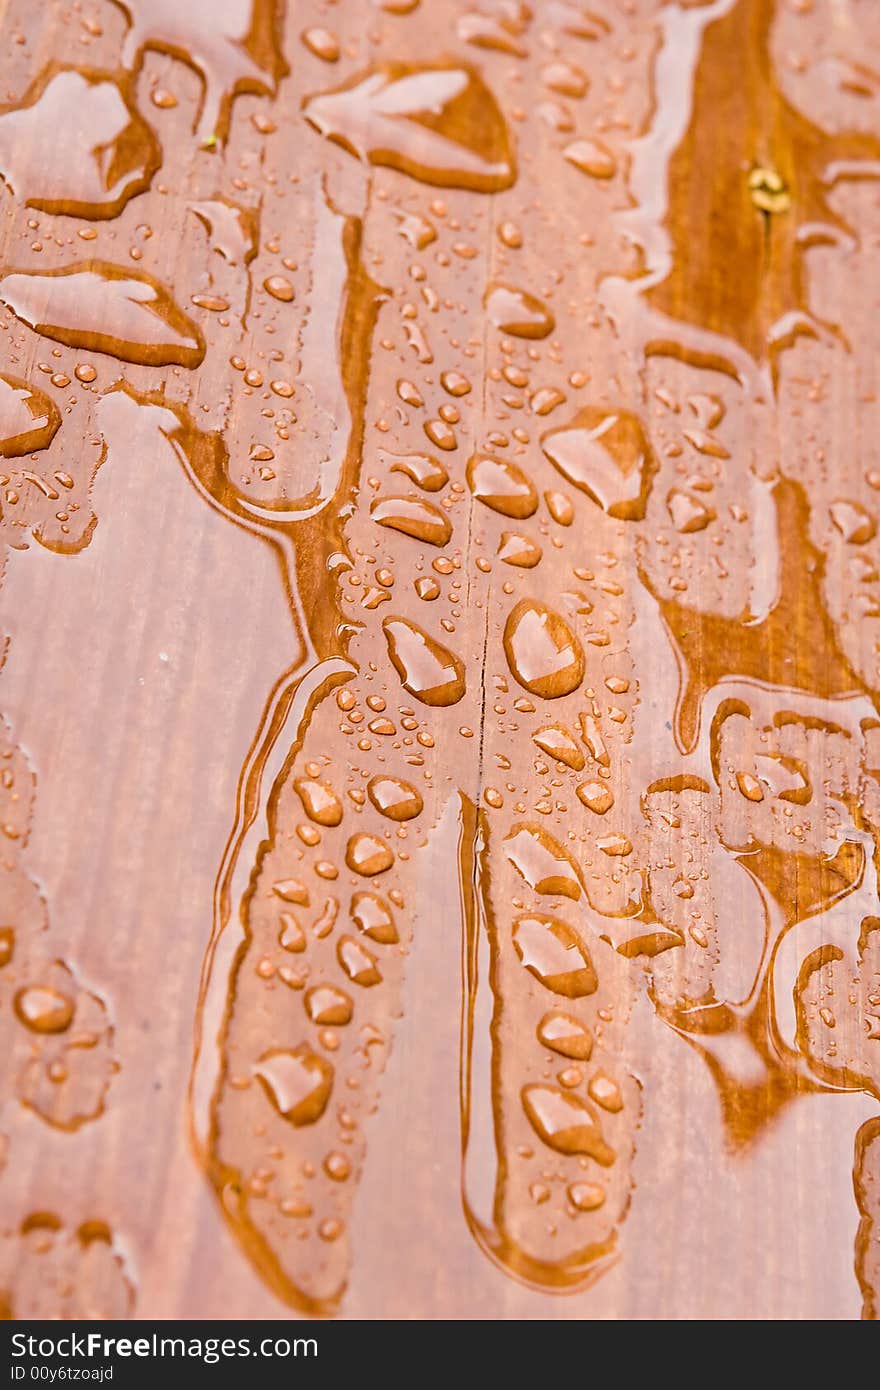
441	746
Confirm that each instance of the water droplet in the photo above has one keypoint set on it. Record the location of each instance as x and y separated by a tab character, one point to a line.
750	786
606	1092
615	846
7	945
518	313
565	78
320	802
43	1009
543	653
290	890
553	952
687	513
429	671
591	157
854	523
95	150
291	936
337	1167
558	743
606	455
358	963
565	1035
368	855
586	1196
425	470
394	798
542	862
328	1006
501	485
565	1123
298	1083
413	516
372	916
280	288
597	796
323	43
519	551
441	434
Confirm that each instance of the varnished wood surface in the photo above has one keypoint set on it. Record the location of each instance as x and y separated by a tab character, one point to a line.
612	269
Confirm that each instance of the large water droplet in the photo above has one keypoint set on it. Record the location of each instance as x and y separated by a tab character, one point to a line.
297	1082
372	916
605	454
105	308
543	863
95	151
428	670
28	418
368	855
413	516
542	651
394	798
566	1123
565	1035
358	963
320	802
554	953
558	743
328	1006
501	485
439	124
517	312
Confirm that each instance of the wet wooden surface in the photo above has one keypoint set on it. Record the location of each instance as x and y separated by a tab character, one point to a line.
441	750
